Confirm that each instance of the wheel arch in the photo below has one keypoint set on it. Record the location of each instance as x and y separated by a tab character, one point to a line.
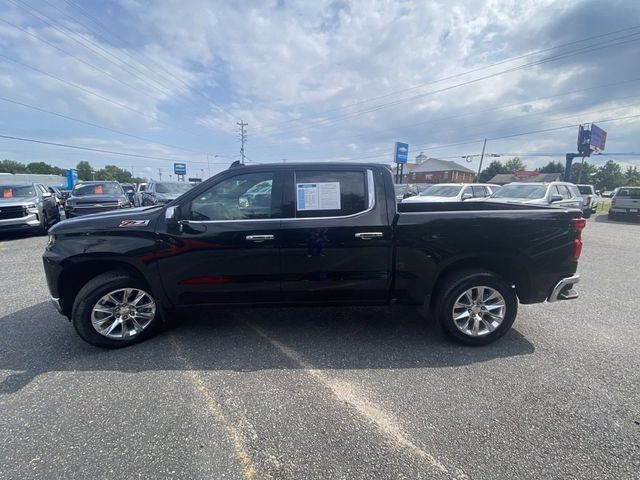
78	272
509	268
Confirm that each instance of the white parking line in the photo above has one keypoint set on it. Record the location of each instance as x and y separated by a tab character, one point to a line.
348	393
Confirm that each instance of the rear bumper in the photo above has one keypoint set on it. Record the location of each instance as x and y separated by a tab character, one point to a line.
564	289
625	211
57	304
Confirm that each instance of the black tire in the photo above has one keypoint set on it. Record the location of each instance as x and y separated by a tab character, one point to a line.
455	285
93	291
586	214
611	216
43	229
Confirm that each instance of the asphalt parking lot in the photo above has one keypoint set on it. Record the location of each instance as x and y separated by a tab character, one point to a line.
328	393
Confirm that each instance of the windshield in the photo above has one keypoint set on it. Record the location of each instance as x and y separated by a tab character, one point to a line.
586	189
81	190
176	187
400	189
521	191
441	191
629	192
13	191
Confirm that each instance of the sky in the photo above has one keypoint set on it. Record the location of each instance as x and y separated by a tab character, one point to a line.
150	83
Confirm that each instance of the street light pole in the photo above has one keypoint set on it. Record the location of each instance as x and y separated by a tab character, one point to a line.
484	145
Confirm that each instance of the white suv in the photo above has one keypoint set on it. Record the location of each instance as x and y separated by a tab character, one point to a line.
452	192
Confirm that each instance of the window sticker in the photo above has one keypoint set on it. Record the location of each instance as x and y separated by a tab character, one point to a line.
99	190
7	193
318	196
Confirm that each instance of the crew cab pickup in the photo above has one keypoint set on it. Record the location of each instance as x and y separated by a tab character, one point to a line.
310	234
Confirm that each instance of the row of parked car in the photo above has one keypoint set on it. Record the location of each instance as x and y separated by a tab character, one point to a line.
561	194
36	207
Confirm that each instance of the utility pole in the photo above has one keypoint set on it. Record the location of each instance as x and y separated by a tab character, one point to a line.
160	173
243	139
484	145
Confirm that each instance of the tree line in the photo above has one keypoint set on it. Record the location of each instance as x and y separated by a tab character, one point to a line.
84	170
605	177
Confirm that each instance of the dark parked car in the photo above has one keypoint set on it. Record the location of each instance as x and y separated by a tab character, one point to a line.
321	234
161	193
27	207
95	197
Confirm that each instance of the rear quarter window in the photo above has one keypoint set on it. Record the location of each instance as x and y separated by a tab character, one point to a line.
330	194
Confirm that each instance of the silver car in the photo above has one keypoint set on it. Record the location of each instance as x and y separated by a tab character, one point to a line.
561	194
27	207
625	203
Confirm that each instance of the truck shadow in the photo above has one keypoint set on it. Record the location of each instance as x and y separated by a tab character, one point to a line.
37	340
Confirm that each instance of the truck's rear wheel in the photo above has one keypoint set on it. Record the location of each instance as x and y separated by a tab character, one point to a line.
476	307
114	310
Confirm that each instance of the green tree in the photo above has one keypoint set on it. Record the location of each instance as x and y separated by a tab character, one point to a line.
552	167
84	170
515	165
44	169
494	168
11	166
114	173
583	172
632	176
609	176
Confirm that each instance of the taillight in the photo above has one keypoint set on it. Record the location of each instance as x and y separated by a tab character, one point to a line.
613	202
578	225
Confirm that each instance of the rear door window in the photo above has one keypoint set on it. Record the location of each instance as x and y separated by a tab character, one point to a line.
324	193
479	191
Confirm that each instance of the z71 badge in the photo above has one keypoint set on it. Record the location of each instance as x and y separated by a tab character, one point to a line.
134	223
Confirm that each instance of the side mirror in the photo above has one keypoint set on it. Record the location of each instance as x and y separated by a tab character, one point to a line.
47	195
173	218
556	198
467	196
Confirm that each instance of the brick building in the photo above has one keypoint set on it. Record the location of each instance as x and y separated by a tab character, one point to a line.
432	170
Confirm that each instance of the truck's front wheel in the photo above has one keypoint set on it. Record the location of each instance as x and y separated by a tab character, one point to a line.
476	307
115	309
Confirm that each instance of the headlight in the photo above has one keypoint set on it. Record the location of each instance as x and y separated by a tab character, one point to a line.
32	208
52	239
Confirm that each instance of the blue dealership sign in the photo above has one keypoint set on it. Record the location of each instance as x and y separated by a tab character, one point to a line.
402	152
180	168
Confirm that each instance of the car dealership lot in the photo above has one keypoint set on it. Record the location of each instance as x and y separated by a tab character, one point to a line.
328	393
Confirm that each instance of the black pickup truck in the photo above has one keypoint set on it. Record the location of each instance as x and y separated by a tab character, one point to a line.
310	234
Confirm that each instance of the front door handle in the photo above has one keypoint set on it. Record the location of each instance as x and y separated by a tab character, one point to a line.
368	235
259	238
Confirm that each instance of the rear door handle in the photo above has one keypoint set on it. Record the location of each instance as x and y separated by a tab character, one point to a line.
368	235
259	238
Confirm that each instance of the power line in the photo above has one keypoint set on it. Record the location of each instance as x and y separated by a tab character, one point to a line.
396	92
95	125
168	73
329	121
49	21
99	150
243	139
105	72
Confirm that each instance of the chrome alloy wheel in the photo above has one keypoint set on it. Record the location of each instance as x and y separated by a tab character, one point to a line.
123	313
479	311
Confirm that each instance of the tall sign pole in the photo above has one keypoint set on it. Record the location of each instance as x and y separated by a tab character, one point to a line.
401	157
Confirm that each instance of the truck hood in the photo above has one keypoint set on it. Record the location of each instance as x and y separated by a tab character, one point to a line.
16	201
128	218
91	199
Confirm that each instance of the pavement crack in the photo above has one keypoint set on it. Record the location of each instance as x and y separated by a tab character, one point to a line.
348	394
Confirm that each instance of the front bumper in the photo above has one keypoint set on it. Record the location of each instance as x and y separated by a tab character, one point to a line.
564	289
29	222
